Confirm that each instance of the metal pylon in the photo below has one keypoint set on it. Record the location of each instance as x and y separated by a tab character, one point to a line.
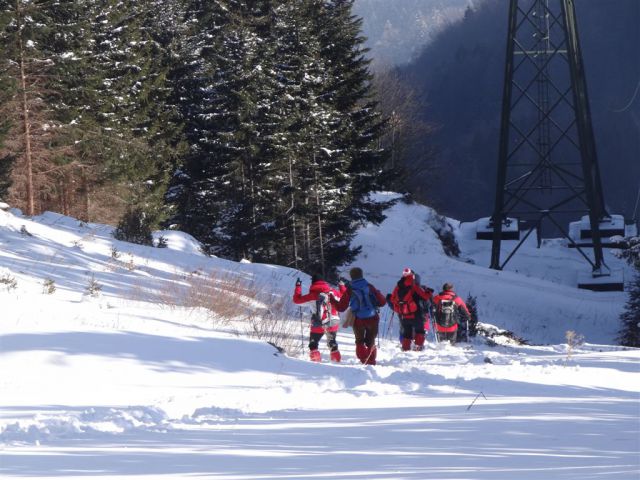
547	165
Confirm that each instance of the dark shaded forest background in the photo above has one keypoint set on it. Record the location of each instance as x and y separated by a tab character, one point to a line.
458	80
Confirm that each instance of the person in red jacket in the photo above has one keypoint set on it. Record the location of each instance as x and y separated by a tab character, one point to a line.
406	302
324	317
448	309
364	300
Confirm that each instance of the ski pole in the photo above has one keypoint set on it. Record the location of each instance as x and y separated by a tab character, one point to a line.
467	328
433	323
384	326
301	332
393	313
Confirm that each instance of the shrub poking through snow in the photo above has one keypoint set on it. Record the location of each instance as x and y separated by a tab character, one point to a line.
93	288
574	340
48	286
229	297
9	281
134	227
130	265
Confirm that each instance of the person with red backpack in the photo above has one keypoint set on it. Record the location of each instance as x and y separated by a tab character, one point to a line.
364	300
324	317
406	301
448	308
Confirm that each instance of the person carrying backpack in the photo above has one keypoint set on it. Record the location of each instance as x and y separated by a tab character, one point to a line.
324	317
448	308
407	301
364	300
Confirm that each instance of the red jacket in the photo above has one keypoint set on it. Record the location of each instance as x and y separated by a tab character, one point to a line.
450	295
413	290
315	289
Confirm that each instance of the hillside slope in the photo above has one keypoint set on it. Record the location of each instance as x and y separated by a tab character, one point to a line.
144	381
535	297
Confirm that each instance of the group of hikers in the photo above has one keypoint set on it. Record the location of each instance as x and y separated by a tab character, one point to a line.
361	301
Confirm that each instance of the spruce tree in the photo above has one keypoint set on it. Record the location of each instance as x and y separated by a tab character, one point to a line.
216	192
306	137
351	91
472	305
70	97
328	139
27	65
7	92
135	49
281	130
629	334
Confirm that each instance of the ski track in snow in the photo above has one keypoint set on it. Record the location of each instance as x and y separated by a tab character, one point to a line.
126	386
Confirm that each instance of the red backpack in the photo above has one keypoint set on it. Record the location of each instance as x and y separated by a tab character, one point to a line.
406	302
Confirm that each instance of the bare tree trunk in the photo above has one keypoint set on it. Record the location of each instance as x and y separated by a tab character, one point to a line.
293	220
63	187
307	230
25	117
84	187
319	216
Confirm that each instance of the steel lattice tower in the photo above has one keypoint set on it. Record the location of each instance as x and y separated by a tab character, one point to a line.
547	165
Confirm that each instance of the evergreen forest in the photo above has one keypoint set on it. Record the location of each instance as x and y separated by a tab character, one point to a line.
251	124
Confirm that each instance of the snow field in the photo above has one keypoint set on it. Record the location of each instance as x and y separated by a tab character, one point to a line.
124	385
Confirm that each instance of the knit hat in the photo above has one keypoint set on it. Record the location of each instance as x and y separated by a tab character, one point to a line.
316	277
447	287
407	272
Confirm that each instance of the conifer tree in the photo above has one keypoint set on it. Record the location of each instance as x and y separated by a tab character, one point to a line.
134	47
472	305
70	97
27	66
47	47
629	334
306	135
217	189
351	91
282	155
7	92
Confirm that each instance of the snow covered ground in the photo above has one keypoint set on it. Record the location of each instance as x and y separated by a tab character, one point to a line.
127	385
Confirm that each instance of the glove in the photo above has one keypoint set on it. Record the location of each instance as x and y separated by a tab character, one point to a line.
298	282
345	282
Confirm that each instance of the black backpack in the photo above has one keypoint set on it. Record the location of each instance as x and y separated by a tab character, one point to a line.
447	313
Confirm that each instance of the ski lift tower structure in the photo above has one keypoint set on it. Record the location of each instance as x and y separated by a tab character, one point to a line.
547	162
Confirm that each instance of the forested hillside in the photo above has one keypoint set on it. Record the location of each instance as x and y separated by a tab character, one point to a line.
459	78
396	31
249	124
